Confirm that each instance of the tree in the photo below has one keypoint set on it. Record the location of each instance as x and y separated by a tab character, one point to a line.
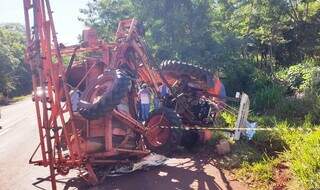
14	74
105	14
174	29
240	37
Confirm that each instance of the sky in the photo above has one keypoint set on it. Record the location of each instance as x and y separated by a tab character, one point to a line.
65	16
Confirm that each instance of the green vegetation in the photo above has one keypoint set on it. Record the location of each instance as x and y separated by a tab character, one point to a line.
303	155
257	162
15	77
267	48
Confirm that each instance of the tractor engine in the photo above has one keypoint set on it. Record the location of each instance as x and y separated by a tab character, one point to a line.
202	110
189	84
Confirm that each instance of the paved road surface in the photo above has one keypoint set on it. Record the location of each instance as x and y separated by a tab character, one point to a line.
18	139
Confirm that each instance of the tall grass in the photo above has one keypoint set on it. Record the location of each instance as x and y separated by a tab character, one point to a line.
303	154
298	149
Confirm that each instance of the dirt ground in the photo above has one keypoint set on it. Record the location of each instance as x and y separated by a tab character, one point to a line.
19	138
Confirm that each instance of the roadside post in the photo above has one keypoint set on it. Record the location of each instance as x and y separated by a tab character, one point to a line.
242	115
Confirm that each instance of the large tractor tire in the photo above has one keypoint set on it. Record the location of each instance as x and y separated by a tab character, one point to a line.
178	69
160	137
103	94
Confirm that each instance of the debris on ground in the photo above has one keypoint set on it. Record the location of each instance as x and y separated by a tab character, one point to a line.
146	162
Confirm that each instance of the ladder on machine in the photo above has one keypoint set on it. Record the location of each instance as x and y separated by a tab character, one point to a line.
45	60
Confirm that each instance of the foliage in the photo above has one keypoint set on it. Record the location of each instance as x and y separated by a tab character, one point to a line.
104	15
246	40
268	98
216	136
296	148
174	29
15	77
14	74
228	118
238	76
299	77
306	166
267	48
295	110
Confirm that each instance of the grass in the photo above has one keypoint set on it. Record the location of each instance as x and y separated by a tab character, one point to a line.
255	162
258	175
250	165
304	157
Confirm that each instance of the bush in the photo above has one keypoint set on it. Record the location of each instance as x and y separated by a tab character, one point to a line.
315	83
260	80
268	98
238	76
299	77
291	109
227	119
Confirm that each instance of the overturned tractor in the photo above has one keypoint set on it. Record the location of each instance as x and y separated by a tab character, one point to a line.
88	117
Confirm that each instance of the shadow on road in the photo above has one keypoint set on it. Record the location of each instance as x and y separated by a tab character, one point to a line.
186	174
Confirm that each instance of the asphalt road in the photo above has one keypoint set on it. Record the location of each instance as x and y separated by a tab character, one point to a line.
19	138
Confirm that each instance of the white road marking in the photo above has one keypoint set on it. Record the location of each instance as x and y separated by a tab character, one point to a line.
3	131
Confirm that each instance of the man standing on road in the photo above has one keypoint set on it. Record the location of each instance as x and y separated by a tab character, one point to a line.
144	96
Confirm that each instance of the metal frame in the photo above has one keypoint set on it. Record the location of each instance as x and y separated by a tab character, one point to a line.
58	125
56	120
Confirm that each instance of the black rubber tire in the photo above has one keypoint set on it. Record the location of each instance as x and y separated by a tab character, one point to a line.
175	134
109	99
183	68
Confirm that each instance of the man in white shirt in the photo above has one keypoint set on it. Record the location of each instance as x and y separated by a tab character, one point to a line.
144	96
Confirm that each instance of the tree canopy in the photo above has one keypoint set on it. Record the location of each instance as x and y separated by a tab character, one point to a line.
261	46
14	74
208	32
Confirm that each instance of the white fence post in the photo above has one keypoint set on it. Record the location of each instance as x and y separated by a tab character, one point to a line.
242	115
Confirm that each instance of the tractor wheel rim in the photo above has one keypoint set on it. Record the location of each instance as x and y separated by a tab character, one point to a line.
158	132
96	94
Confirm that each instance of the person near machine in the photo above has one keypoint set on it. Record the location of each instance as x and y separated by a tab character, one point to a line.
155	101
164	90
144	97
217	90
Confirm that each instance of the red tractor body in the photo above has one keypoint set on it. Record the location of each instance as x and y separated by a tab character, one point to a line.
88	118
